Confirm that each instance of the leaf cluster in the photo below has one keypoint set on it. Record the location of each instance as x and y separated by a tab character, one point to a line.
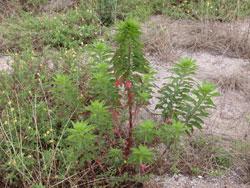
183	99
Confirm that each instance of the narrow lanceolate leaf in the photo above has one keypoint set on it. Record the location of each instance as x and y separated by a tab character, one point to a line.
183	98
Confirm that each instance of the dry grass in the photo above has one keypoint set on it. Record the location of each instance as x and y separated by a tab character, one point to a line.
163	36
157	40
197	155
234	78
229	74
242	160
7	8
206	155
210	157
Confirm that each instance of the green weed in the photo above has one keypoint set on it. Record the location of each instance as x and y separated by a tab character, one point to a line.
184	100
51	125
72	29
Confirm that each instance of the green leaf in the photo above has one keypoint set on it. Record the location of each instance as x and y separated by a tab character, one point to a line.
183	99
81	138
141	155
100	117
170	134
145	132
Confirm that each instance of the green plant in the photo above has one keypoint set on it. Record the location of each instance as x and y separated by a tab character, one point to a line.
197	109
174	94
64	90
102	83
196	171
37	104
170	134
129	61
82	141
145	132
115	157
212	10
129	64
71	29
64	122
125	85
183	99
222	158
100	117
210	148
141	155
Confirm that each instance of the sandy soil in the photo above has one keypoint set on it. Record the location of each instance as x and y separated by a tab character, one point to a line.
180	181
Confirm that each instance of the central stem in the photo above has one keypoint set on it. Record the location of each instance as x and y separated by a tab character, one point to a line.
129	140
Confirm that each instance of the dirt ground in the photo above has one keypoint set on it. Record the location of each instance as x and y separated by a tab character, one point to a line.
180	181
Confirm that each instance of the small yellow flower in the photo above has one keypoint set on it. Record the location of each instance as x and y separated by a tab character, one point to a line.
14	120
11	109
47	132
9	103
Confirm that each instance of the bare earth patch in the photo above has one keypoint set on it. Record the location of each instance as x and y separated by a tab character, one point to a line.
5	63
181	181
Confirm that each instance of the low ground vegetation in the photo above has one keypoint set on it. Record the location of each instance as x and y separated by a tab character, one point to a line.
76	132
70	102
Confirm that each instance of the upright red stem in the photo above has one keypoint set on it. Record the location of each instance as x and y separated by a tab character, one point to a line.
129	140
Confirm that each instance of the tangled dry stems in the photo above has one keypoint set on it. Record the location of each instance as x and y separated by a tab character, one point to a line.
163	36
197	156
242	161
228	74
